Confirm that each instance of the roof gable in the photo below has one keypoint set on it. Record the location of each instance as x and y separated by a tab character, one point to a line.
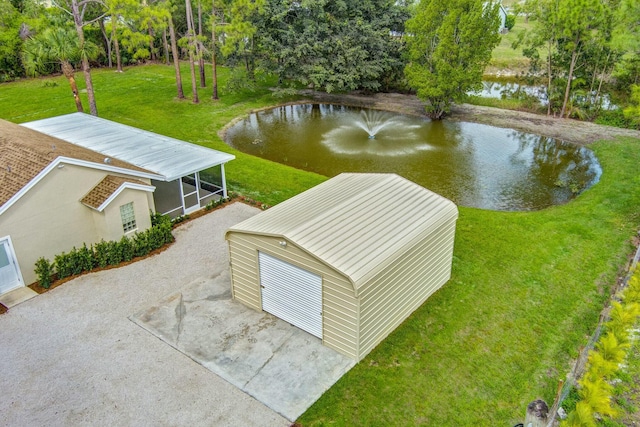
165	156
356	223
109	188
25	153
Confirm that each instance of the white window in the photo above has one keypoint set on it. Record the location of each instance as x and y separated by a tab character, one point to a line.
128	217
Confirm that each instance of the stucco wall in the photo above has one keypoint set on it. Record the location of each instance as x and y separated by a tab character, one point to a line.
49	218
109	222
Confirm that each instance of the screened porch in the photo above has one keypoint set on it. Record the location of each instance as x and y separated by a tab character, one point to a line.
190	192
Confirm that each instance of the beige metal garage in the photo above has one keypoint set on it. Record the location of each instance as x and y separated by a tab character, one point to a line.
348	260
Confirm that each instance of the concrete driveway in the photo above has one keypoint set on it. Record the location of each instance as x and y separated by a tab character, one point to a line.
282	366
73	357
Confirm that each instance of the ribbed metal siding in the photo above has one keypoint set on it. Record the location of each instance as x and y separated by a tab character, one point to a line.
244	273
399	290
291	293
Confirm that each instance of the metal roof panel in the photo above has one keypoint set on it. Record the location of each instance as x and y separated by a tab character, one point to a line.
163	155
356	223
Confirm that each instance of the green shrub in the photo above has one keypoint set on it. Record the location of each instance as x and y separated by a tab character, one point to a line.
215	203
84	258
510	21
126	249
141	244
104	254
101	253
615	118
74	262
114	253
63	266
596	393
179	219
44	270
158	218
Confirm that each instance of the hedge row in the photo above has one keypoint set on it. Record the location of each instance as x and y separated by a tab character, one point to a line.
104	254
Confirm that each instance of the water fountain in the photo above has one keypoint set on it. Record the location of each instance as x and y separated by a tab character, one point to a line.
385	134
373	121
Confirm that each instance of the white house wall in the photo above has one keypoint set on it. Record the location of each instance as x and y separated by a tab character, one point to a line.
49	219
109	222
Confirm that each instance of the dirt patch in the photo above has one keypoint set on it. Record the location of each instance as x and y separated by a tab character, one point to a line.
568	130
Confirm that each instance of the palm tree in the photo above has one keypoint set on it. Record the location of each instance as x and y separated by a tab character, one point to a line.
61	46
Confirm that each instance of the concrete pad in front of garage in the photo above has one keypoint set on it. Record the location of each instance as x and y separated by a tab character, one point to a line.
282	366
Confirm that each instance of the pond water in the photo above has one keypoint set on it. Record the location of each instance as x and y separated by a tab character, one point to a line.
513	90
472	164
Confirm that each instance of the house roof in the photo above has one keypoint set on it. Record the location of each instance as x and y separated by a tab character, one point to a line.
108	189
25	153
165	156
355	223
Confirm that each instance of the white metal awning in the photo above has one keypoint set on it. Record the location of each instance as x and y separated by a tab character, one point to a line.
168	157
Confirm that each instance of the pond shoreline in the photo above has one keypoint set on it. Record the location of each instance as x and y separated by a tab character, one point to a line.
569	130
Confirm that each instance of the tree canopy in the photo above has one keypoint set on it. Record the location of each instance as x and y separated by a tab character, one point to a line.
449	45
334	45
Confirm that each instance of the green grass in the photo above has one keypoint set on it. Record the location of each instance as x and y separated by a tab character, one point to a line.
504	56
526	288
146	97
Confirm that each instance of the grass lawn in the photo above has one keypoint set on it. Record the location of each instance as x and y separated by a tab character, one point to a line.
504	56
526	288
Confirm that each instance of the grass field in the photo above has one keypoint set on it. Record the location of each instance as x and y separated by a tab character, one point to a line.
526	288
504	56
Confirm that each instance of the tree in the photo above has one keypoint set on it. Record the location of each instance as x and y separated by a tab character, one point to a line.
576	36
578	20
174	52
632	111
333	45
449	44
626	38
214	64
240	31
191	47
59	45
117	10
543	37
10	42
79	10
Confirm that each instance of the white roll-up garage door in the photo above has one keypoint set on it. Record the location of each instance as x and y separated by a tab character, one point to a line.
291	293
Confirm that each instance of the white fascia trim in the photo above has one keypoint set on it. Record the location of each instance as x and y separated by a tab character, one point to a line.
190	172
124	186
68	160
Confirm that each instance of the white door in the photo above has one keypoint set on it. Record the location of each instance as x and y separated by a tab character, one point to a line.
10	277
291	293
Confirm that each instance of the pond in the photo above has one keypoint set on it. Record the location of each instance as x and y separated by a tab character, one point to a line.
514	90
472	164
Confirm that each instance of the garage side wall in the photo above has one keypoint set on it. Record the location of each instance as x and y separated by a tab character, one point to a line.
390	297
339	305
